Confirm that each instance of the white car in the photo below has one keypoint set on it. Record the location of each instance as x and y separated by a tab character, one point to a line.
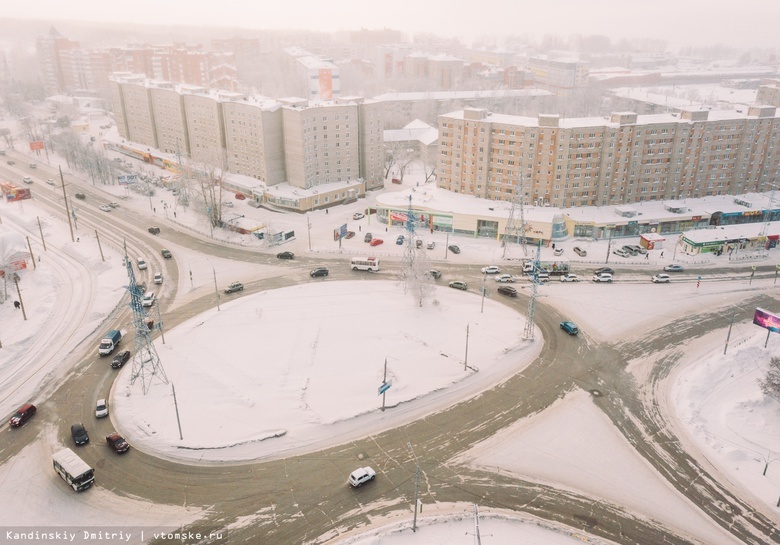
602	277
558	251
431	245
357	216
50	181
506	278
571	277
141	264
105	208
492	269
661	279
361	476
149	299
101	408
158	279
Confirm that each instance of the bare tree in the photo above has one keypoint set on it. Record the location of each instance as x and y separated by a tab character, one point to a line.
428	158
207	178
414	275
400	155
770	384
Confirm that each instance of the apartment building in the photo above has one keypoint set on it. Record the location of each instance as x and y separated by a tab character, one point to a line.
49	50
304	144
559	74
319	78
624	159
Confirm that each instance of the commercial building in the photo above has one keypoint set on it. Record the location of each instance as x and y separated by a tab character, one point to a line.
626	158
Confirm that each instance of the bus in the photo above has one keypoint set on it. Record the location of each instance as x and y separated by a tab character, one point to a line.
365	264
73	469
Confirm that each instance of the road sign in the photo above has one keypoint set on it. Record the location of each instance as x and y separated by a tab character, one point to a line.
384	387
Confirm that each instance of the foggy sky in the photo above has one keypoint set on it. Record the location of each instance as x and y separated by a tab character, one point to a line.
747	23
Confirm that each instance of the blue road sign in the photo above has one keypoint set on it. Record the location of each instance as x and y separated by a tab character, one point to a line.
383	388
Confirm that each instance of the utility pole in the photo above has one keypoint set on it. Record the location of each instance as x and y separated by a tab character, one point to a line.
97	236
67	209
175	404
308	230
19	294
43	240
466	361
416	487
728	335
216	290
29	247
384	381
484	289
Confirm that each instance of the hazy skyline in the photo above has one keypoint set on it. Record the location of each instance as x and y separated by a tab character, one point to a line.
749	23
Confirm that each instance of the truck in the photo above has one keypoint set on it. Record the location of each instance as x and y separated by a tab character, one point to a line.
553	268
109	341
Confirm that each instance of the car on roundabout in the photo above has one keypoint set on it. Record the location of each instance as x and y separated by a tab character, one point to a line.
434	273
234	287
506	278
570	277
674	268
166	253
509	291
492	269
570	327
602	277
319	271
120	359
453	248
376	242
285	255
661	279
117	442
79	434
458	285
361	476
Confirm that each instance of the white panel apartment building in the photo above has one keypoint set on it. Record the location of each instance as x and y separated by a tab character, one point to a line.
596	161
290	141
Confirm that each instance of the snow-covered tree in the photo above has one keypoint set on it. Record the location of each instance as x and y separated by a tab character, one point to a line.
414	275
770	384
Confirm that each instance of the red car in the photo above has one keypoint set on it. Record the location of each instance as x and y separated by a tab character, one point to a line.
376	242
117	442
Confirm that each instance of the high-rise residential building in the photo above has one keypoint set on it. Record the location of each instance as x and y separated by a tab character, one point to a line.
49	50
304	144
625	158
769	93
319	78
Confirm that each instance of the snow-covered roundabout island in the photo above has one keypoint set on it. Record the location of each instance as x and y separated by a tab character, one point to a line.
299	368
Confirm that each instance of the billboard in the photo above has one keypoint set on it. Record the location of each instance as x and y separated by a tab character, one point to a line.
767	320
128	178
34	146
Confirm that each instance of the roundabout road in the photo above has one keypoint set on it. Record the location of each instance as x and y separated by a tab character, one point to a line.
306	495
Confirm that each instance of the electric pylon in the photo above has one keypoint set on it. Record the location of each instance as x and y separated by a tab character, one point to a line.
528	334
146	362
513	226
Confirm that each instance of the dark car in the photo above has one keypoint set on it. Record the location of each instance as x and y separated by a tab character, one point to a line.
117	442
350	234
509	291
570	328
604	270
235	286
22	415
154	230
319	271
166	253
434	273
368	237
400	240
11	162
80	196
454	249
285	255
120	359
79	434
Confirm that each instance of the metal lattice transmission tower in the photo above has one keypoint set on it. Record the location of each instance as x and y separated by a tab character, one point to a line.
146	362
528	333
516	226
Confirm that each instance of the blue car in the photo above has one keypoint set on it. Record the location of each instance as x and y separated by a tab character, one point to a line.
570	328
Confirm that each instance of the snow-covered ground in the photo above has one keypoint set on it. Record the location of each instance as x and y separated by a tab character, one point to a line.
735	429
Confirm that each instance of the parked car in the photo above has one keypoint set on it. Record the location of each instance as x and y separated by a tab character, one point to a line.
22	415
492	269
542	276
142	264
228	204
604	270
120	359
117	442
431	245
674	268
558	251
621	252
154	230
105	208
454	249
158	278
166	253
361	476
602	277
358	216
350	234
570	328
285	255
579	251
434	273
570	277
101	408
400	240
636	249
506	278
367	238
319	271
418	243
376	242
458	285
661	279
149	299
509	291
80	196
79	434
235	286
